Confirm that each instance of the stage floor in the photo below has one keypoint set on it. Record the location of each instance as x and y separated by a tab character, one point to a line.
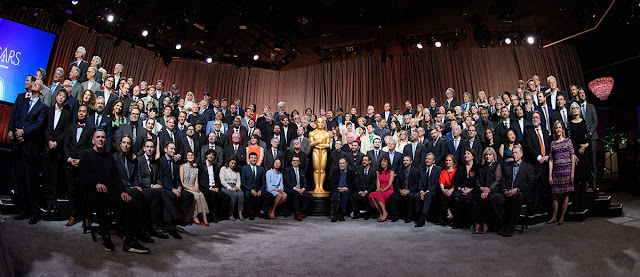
314	247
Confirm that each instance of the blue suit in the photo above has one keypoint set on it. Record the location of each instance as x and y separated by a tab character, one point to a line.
257	182
104	124
452	150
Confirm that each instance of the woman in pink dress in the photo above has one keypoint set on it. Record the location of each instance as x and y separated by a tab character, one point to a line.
384	188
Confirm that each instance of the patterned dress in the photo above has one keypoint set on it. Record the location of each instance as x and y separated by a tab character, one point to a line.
561	173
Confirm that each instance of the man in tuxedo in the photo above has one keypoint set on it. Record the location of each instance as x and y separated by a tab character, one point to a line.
151	192
100	121
304	141
365	183
98	175
80	63
77	140
76	85
235	128
428	186
553	93
29	130
515	190
395	157
295	184
235	149
272	154
58	118
404	191
254	186
354	157
453	146
168	134
450	102
472	143
191	144
133	129
169	178
416	151
561	114
504	125
537	146
438	145
342	186
590	115
545	111
91	83
375	154
108	93
211	144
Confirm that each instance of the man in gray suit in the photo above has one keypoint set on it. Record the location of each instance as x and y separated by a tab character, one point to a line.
304	141
76	89
56	86
90	83
269	156
590	115
45	94
96	61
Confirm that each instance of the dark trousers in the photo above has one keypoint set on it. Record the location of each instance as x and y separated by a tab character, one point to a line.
53	161
404	203
426	206
267	201
251	201
27	190
507	209
540	184
101	203
216	202
480	213
445	204
75	193
171	214
340	202
358	201
463	205
300	201
151	202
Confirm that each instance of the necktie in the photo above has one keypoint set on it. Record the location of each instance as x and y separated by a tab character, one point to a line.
171	135
538	132
253	168
428	172
413	154
376	154
391	154
274	153
191	144
126	167
235	149
32	102
133	134
171	167
80	125
297	178
366	171
584	109
53	88
564	117
546	116
149	164
97	120
455	143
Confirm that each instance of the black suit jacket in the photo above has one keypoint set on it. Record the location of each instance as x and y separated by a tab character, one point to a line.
429	183
83	66
477	147
372	156
128	173
250	182
196	148
203	154
334	159
269	158
289	178
523	181
531	144
104	124
141	135
33	123
439	149
365	182
413	180
335	180
108	105
354	161
454	103
168	180
57	134
144	177
501	130
304	159
164	138
227	152
549	100
73	149
420	155
396	162
203	176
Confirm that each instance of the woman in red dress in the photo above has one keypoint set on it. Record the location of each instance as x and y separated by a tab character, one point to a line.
384	188
447	187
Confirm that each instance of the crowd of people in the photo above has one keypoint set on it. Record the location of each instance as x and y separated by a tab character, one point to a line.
155	160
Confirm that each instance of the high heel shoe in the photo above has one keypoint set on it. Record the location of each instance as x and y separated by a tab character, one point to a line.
206	225
560	222
476	230
195	222
550	221
485	229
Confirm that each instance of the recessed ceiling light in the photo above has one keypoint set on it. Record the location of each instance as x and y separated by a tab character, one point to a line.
438	44
110	18
242	27
145	33
178	46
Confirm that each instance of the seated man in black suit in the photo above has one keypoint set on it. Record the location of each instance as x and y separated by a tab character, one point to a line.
254	182
209	185
152	198
342	184
428	184
365	183
98	174
169	178
404	190
516	189
295	184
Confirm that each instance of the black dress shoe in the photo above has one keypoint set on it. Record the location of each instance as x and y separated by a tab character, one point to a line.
334	218
134	246
420	223
34	220
341	217
508	233
366	216
408	220
145	238
158	234
21	217
394	219
108	244
175	234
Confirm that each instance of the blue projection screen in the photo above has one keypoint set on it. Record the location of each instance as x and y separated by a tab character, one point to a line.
23	50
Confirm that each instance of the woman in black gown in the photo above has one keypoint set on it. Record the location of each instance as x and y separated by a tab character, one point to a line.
487	183
465	195
579	134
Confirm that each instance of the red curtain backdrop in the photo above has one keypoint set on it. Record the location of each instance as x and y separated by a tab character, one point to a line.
355	82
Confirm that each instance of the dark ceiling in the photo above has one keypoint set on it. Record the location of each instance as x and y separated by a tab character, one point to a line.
286	33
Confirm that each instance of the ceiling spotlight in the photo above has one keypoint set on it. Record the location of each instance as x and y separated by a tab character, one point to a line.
256	57
242	27
419	45
209	60
531	40
507	40
178	46
110	18
438	44
74	2
145	33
